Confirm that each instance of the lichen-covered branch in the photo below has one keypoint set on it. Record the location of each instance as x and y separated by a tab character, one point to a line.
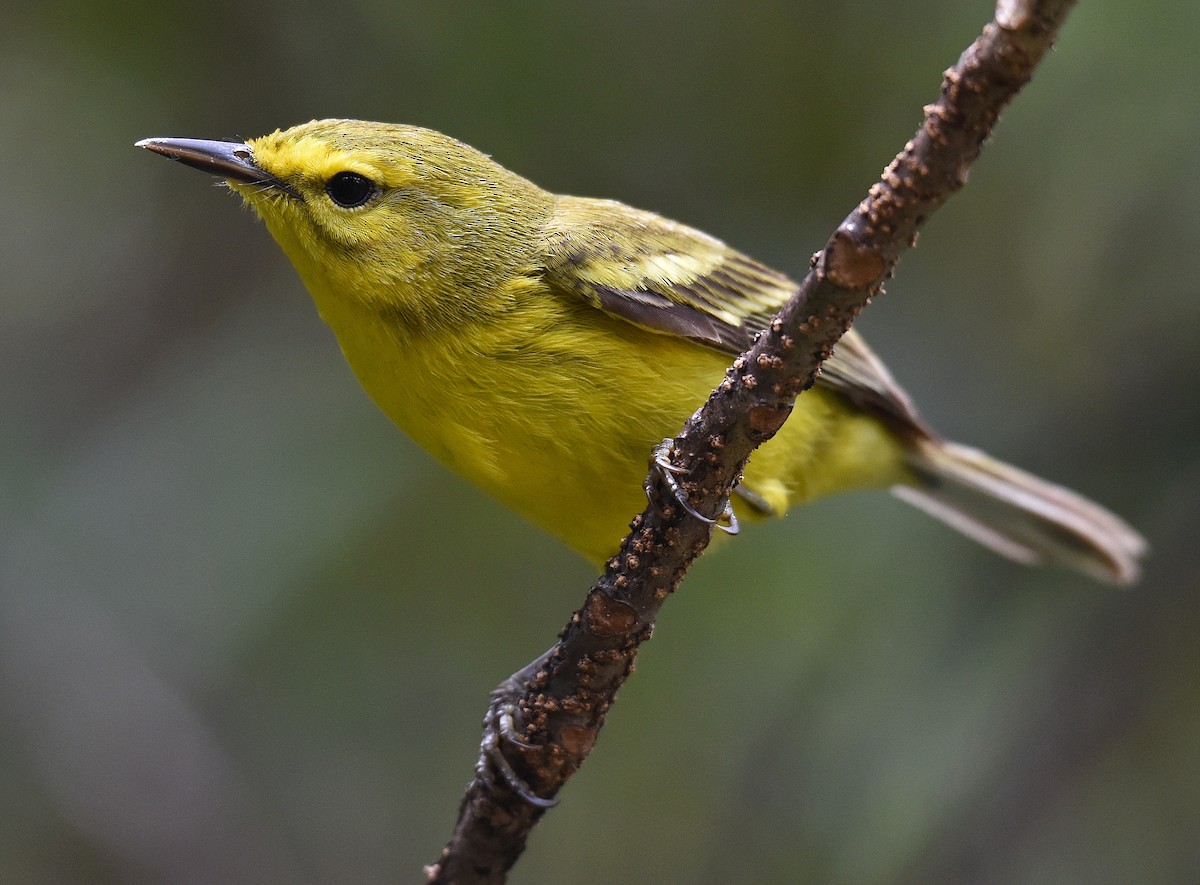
564	697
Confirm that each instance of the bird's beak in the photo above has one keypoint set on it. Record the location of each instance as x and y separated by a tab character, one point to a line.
232	160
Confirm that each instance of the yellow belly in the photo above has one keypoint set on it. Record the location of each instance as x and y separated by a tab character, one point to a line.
554	412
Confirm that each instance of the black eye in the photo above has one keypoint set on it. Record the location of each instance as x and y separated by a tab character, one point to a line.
350	190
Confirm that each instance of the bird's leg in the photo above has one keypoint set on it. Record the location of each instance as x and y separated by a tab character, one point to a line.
499	725
660	462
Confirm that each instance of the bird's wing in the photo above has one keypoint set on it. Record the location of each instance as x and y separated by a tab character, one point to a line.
676	280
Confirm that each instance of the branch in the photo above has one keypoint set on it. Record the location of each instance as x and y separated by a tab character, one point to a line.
565	695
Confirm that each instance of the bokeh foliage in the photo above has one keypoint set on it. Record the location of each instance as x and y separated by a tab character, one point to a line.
247	629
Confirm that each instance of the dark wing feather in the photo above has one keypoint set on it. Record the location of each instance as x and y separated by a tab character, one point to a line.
676	280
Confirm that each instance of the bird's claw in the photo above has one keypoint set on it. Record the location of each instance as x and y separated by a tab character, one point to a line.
661	461
499	726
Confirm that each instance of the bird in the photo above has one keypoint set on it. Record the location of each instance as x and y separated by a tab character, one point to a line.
541	345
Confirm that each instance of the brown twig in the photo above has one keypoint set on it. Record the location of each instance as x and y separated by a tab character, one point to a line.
565	695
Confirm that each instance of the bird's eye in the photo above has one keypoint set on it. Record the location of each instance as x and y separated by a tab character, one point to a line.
350	190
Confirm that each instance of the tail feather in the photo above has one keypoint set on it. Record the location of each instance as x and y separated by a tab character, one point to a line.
1019	515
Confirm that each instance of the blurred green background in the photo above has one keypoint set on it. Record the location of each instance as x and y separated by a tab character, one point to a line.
247	630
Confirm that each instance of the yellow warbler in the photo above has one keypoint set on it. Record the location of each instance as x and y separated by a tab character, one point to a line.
541	345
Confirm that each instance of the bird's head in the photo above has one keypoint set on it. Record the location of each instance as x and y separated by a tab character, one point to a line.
387	214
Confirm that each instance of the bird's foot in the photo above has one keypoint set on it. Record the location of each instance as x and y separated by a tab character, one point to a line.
660	462
499	727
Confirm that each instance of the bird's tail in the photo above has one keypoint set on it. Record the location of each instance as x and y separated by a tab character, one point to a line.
1019	515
